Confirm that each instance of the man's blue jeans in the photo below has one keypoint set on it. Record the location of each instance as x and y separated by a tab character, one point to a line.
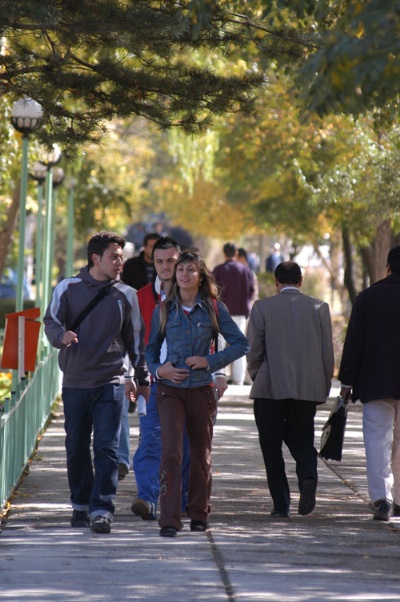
147	458
98	410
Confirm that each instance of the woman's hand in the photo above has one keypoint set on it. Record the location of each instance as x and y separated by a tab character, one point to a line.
221	385
175	375
196	362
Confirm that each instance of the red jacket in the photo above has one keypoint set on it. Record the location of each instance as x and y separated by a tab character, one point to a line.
148	298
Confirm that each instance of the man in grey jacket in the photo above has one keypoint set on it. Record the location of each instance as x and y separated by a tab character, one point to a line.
291	363
94	338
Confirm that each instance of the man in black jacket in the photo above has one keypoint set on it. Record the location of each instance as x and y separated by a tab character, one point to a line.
139	271
370	368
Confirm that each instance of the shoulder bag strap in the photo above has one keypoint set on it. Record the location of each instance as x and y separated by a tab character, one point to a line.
90	307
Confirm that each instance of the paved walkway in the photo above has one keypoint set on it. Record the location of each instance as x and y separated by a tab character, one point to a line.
336	553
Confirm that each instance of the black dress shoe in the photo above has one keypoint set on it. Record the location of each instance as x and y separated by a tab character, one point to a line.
198	525
307	497
168	532
276	514
382	510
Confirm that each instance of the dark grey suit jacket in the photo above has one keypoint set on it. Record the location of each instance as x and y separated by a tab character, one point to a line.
291	349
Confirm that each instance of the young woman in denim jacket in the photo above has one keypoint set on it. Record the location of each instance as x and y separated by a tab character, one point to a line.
189	319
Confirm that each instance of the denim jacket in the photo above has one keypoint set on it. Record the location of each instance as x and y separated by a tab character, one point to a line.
191	334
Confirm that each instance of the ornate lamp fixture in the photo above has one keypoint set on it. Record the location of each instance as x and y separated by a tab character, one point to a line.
26	115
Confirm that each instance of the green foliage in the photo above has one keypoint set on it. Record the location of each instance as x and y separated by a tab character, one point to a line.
10	150
311	285
357	66
268	163
138	58
266	284
129	58
5	386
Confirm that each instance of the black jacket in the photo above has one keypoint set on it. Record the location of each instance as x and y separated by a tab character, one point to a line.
371	353
134	272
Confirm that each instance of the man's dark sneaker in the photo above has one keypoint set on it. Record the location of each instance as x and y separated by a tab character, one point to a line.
396	510
146	510
198	525
276	514
168	532
307	497
101	524
382	510
123	470
80	518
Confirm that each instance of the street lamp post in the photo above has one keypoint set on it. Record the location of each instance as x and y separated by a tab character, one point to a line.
26	116
38	174
58	179
71	183
49	161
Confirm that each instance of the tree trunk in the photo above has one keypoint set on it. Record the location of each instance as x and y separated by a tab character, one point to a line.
348	264
383	243
7	230
374	257
368	261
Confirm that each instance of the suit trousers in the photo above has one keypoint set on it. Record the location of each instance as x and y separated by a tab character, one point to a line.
196	408
381	428
289	421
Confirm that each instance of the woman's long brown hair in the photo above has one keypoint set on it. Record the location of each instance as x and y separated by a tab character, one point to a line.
208	290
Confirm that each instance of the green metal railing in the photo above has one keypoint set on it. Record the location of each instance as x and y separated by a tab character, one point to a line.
25	414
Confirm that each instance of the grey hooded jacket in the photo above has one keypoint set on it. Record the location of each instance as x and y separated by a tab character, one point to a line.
107	337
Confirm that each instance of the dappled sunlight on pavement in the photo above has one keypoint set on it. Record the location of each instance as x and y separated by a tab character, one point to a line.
336	553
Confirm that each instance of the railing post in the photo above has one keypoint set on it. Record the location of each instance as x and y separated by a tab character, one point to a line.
21	347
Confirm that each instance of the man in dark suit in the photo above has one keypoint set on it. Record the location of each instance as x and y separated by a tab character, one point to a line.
291	363
370	368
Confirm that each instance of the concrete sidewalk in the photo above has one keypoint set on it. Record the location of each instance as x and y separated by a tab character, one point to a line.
336	553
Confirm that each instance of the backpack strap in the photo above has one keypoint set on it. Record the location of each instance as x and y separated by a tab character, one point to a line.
214	302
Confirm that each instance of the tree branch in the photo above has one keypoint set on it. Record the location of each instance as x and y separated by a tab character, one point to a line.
275	33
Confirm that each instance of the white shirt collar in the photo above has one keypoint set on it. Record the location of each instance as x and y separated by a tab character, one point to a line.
288	288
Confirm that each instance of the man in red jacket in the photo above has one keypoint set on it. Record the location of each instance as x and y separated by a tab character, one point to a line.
146	461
